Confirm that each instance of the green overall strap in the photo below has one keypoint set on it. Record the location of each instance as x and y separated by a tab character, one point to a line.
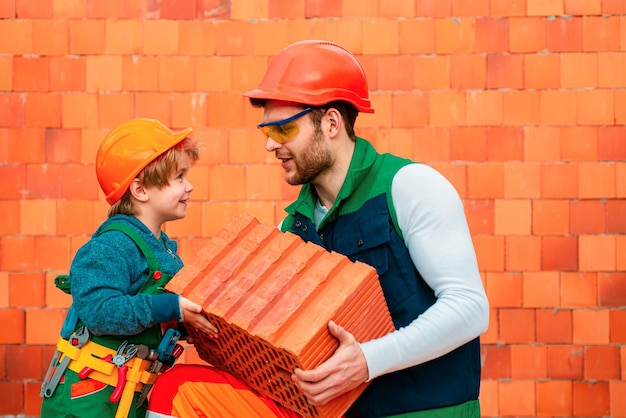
150	336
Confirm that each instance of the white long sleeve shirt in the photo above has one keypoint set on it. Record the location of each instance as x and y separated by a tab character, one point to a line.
431	217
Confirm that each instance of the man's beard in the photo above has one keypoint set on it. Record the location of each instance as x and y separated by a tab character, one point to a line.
312	162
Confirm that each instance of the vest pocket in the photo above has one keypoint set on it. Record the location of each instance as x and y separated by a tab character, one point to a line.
365	240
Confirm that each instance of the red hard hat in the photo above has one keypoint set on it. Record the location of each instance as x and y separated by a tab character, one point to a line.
128	149
314	73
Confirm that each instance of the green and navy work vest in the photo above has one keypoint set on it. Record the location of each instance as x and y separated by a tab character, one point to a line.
362	225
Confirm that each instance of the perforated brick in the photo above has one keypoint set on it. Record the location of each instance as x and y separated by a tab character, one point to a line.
271	296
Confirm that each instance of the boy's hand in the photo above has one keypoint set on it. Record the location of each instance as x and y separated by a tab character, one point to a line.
192	314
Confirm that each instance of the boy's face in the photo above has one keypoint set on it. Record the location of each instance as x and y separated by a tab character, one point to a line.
170	202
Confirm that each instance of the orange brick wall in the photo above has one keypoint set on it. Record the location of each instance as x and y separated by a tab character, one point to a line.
520	103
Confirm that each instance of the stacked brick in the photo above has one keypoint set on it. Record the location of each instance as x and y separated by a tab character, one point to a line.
521	104
271	295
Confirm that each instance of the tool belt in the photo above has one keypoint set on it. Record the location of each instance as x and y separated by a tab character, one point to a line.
92	355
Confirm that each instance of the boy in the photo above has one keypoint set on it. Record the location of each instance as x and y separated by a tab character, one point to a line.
117	277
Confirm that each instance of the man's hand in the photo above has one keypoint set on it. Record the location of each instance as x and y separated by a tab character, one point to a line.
192	314
343	371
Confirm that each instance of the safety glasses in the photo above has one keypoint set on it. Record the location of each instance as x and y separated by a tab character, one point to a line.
282	131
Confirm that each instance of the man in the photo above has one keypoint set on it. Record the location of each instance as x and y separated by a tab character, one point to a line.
403	218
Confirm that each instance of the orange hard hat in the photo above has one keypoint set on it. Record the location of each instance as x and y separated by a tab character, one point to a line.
128	149
314	73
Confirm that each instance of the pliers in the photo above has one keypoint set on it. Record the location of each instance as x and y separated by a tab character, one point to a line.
124	353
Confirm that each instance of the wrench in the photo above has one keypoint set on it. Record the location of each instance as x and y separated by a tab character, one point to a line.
78	339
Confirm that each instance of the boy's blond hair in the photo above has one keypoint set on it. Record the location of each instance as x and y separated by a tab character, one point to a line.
156	174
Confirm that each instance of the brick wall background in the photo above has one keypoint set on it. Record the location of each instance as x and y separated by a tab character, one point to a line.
520	103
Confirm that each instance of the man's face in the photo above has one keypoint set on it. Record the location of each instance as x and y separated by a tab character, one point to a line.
304	157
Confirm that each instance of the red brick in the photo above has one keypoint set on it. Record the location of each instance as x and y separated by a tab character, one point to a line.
13	109
616	216
491	35
395	73
589	7
468	71
496	362
612	289
601	363
12	397
454	35
505	143
431	72
517	326
230	279
527	34
13	329
554	326
596	107
42	110
31	73
528	362
41	9
611	142
520	107
601	33
613	7
10	214
67	73
565	362
489	252
416	36
485	181
504	290
50	37
542	143
579	289
597	252
433	8
523	253
489	402
522	180
505	71
611	70
618	401
517	398
512	217
233	37
597	180
559	181
588	217
468	144
591	398
480	216
617	319
580	143
26	289
178	9
591	326
25	362
32	400
86	36
564	34
7	9
447	108
541	289
323	8
409	110
554	398
579	70
542	71
559	107
550	217
484	108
